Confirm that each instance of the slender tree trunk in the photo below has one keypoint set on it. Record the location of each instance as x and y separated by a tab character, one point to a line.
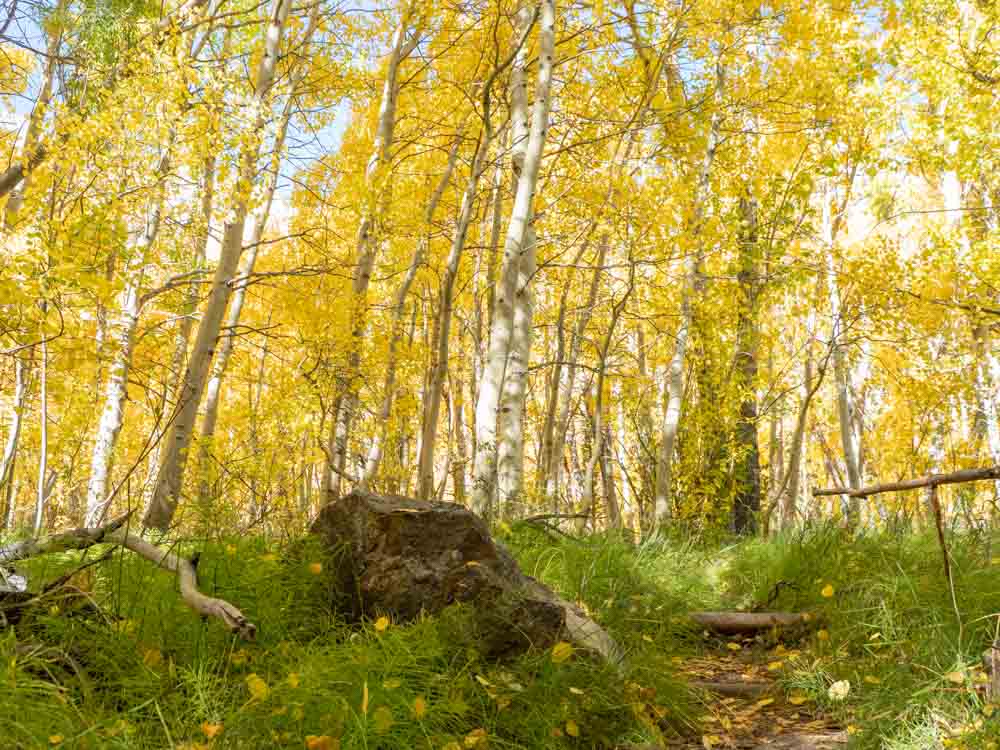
987	422
9	461
396	326
166	494
33	133
545	456
841	372
746	502
694	272
513	399
555	460
441	336
123	333
515	246
369	238
213	392
43	438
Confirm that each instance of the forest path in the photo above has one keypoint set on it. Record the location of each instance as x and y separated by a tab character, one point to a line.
745	707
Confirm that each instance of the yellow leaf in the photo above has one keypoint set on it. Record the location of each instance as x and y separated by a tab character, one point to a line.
293	680
476	738
364	698
955	677
576	691
315	568
774	666
381	624
210	730
419	706
151	657
572	729
56	739
258	688
797	700
734	646
561	652
872	680
322	742
765	702
827	591
823	635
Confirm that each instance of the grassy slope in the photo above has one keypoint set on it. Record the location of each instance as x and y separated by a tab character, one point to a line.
156	676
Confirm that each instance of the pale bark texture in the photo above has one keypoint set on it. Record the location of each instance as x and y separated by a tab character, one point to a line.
9	460
369	238
42	487
841	371
515	246
663	503
558	444
166	494
513	398
33	133
377	447
122	331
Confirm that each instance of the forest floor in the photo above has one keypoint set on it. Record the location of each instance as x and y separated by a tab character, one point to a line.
887	664
746	709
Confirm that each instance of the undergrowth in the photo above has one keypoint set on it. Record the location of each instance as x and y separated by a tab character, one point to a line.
142	671
887	624
139	670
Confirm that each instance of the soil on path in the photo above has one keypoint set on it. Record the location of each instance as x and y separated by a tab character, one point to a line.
745	708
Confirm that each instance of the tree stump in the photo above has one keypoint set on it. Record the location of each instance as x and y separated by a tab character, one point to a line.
399	556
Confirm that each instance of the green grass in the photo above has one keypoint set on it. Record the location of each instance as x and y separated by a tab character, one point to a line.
148	673
160	677
890	629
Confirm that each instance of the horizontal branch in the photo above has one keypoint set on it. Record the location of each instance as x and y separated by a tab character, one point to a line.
115	533
934	480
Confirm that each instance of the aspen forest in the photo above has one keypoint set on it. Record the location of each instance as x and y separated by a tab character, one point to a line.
500	374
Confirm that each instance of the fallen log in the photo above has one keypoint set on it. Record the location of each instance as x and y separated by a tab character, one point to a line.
392	555
115	532
748	623
732	689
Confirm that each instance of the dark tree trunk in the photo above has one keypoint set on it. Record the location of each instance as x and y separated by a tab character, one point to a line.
746	499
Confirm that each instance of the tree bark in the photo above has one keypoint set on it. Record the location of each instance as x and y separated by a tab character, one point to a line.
746	501
166	494
396	326
693	273
34	131
42	489
9	461
377	187
122	329
515	246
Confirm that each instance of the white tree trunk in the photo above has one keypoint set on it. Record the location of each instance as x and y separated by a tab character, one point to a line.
663	502
377	187
33	134
43	487
841	368
502	331
122	329
555	461
510	452
9	460
166	494
377	447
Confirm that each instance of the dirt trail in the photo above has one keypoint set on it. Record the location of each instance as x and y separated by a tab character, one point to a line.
746	710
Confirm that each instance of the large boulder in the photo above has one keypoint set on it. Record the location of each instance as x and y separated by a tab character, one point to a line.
399	556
